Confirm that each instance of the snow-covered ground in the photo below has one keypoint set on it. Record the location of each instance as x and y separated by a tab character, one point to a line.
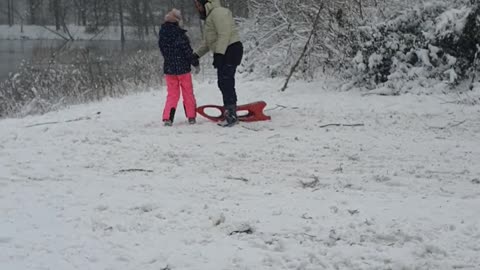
400	192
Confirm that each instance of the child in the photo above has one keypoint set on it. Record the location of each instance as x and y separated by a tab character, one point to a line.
176	50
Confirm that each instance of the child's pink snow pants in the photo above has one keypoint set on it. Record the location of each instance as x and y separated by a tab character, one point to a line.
175	85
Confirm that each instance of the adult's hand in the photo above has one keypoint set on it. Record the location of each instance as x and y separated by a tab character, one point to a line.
196	70
218	60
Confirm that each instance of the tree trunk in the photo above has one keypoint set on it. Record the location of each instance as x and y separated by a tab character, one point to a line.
152	21
184	12
57	14
106	19
120	15
135	17
84	12
95	13
32	6
9	15
360	7
11	20
145	16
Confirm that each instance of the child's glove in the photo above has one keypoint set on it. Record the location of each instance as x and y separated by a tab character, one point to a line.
194	60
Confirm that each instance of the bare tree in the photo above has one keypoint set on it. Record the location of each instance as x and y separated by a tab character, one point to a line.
81	7
56	7
34	6
145	20
121	18
10	12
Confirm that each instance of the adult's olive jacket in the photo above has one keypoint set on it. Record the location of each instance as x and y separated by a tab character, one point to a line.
220	30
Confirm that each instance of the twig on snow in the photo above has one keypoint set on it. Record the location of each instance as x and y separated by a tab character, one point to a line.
78	119
42	124
353	212
339	169
306	216
459	123
135	170
276	107
247	230
342	125
311	184
450	125
54	123
243	179
252	129
383	94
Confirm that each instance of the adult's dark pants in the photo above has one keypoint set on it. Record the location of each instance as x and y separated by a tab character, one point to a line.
226	74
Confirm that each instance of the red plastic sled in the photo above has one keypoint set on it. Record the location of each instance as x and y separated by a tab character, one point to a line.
254	112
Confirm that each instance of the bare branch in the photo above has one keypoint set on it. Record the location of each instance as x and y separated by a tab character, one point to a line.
314	28
56	33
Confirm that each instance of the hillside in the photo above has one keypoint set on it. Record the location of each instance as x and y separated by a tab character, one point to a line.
106	186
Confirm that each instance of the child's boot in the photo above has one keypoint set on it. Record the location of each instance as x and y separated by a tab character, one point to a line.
167	123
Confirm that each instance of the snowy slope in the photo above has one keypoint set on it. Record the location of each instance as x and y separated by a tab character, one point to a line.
401	192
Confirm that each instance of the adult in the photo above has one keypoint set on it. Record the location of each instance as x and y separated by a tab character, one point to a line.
221	37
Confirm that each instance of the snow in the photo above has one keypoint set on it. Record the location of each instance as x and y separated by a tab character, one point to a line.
434	52
401	192
374	60
424	54
452	21
452	75
358	62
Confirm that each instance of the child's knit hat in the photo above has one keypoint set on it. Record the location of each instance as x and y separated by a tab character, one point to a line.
173	16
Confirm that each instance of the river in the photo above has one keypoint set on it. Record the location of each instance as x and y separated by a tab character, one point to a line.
13	52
